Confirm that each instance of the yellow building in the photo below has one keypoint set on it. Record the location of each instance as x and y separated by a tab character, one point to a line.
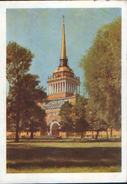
63	86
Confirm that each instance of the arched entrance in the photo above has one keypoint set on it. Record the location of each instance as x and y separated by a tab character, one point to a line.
54	128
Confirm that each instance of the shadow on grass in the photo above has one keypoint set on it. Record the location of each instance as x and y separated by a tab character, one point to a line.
64	140
49	157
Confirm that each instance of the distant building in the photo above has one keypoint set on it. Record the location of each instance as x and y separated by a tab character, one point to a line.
63	86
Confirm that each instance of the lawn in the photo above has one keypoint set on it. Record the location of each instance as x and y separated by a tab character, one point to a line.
63	157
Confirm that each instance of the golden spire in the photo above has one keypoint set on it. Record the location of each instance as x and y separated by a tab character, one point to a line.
63	50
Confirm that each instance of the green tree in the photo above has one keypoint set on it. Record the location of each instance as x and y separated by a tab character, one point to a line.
24	92
95	123
35	120
66	119
11	110
102	72
79	115
32	94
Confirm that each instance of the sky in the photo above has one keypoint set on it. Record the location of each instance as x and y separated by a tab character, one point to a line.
40	30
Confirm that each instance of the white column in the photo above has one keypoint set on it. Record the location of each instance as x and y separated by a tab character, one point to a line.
52	88
55	87
65	86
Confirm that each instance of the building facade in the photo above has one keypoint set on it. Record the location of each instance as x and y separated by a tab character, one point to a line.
62	86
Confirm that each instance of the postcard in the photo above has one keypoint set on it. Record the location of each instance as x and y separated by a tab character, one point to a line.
63	92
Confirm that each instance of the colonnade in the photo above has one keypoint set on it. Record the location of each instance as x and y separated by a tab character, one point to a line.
63	86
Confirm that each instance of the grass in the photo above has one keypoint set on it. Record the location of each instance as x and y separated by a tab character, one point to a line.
101	169
63	157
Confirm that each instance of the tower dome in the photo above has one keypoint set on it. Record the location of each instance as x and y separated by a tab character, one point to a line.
63	69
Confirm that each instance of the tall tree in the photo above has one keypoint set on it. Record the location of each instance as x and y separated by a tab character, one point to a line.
24	89
66	120
102	72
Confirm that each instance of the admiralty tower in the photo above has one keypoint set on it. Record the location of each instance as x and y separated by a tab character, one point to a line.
62	86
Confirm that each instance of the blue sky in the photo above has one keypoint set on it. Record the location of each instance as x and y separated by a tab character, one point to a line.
40	30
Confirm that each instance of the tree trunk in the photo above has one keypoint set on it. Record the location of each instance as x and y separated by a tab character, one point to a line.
31	135
97	134
67	134
84	134
17	128
31	131
107	133
81	135
92	134
18	117
111	132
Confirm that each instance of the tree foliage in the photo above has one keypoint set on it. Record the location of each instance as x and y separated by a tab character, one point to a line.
73	117
18	61
102	72
79	115
32	114
66	120
24	93
95	123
